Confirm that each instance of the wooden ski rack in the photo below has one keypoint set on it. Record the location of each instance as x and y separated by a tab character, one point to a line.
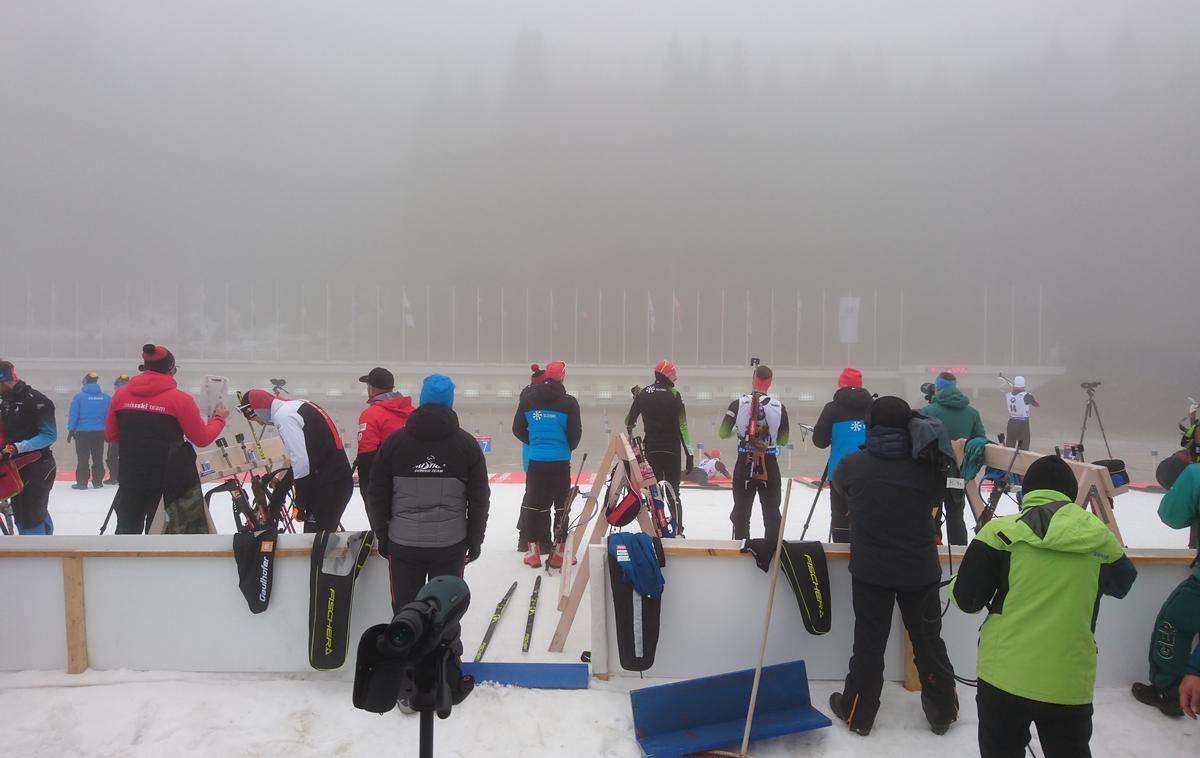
571	588
1096	488
222	462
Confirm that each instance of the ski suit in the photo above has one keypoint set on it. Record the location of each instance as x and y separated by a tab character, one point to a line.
320	467
27	422
1018	403
149	417
665	430
772	415
548	421
842	428
962	422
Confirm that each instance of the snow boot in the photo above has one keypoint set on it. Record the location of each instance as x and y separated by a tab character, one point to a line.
533	558
837	704
1166	701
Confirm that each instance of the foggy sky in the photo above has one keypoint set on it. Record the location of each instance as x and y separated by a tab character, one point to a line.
866	147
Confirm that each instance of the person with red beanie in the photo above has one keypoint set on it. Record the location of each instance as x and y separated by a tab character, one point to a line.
664	432
842	428
150	417
548	421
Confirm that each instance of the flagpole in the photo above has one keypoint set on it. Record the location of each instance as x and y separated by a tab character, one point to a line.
378	323
674	310
772	350
697	326
527	325
502	325
599	325
624	319
478	301
649	303
454	324
575	338
428	324
798	328
722	327
822	327
1012	328
875	331
550	357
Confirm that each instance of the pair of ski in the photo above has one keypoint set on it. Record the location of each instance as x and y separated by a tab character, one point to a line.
533	600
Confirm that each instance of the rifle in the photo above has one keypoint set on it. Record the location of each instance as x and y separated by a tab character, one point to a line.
755	438
999	487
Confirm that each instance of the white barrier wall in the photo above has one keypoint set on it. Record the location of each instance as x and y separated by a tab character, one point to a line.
713	608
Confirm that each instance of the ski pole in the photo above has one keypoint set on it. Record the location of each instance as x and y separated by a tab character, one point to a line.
111	509
762	649
820	486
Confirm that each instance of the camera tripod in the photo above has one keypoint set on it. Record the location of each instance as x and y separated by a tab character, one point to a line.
1092	409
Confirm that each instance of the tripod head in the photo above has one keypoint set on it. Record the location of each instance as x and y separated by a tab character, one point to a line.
1089	387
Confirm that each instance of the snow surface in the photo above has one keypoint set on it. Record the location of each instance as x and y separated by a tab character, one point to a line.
119	713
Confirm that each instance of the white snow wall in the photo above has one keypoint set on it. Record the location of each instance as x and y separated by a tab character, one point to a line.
172	603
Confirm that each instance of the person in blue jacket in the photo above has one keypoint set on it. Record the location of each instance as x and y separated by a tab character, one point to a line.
842	427
547	420
85	423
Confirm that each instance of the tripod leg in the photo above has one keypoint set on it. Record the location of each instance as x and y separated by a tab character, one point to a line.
426	747
1101	425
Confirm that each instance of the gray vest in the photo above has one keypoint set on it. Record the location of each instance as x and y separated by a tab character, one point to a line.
428	511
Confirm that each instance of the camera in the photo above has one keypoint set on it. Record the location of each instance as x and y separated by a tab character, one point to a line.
1089	385
928	389
416	657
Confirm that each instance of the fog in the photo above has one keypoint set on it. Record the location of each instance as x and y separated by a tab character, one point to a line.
1000	183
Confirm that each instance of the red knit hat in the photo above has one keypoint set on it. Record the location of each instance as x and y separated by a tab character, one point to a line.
851	377
556	371
157	358
666	368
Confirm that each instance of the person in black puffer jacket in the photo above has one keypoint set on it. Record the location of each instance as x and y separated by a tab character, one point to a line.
893	561
428	497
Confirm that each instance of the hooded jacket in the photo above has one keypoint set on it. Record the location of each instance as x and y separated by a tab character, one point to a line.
1180	507
954	410
27	420
547	419
664	419
149	417
88	410
383	415
429	485
890	497
1040	574
842	426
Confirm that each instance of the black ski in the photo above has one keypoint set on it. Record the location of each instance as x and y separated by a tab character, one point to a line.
487	636
537	585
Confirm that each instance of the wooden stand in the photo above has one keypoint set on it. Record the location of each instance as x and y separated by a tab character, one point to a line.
571	589
219	463
1096	489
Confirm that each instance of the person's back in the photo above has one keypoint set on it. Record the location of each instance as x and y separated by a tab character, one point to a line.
953	409
89	408
548	421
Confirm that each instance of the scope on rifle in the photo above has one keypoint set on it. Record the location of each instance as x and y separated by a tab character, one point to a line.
755	361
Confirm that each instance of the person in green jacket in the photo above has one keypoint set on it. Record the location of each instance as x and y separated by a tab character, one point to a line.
954	410
1178	621
1040	574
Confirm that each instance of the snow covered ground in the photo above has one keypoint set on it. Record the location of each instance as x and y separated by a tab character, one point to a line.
118	713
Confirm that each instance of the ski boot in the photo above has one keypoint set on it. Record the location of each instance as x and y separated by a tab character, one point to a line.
1166	701
837	704
533	558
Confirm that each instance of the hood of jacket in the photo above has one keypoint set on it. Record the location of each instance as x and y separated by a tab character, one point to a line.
150	383
91	388
853	398
394	403
1069	530
432	421
546	392
889	443
951	398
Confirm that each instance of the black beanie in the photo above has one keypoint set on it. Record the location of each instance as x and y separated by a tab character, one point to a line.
1051	473
890	411
157	358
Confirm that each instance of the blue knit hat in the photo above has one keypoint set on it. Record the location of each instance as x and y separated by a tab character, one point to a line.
942	383
437	389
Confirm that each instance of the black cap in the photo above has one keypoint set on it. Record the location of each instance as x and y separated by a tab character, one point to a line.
1051	473
380	378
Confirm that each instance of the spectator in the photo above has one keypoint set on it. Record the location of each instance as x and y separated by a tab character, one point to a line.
85	423
27	425
429	495
962	422
149	417
842	425
112	459
386	411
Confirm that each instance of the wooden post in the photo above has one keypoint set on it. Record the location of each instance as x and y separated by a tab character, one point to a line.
912	679
76	619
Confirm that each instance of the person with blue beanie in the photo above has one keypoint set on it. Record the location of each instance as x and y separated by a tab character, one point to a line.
85	423
962	422
428	497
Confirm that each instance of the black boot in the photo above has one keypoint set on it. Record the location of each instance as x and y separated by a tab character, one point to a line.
837	704
1166	701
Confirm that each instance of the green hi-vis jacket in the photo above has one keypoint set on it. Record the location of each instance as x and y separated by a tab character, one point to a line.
1040	574
1180	507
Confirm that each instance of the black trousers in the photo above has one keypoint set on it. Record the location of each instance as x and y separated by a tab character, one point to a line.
667	468
324	503
30	508
954	506
1004	719
113	460
135	507
921	613
89	446
769	497
1017	433
547	484
411	568
839	517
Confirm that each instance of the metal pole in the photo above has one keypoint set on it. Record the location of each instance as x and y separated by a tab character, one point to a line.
478	321
698	326
875	331
599	325
822	327
798	328
378	323
624	319
575	337
428	323
453	324
985	324
527	325
900	342
1040	293
1012	327
771	351
502	325
722	327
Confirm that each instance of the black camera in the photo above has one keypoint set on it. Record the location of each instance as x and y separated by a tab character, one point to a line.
1089	385
929	389
417	657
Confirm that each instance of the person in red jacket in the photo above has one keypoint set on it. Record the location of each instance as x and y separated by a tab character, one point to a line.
386	411
149	417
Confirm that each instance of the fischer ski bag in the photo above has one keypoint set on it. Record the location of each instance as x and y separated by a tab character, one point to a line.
337	557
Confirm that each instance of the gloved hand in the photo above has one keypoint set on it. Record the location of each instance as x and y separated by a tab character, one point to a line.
8	451
381	544
473	553
70	436
688	464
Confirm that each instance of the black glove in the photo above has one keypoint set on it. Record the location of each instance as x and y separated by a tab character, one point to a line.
473	553
688	465
761	550
70	436
8	451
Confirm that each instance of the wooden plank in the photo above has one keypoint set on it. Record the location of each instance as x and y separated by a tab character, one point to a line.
912	679
590	508
76	618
